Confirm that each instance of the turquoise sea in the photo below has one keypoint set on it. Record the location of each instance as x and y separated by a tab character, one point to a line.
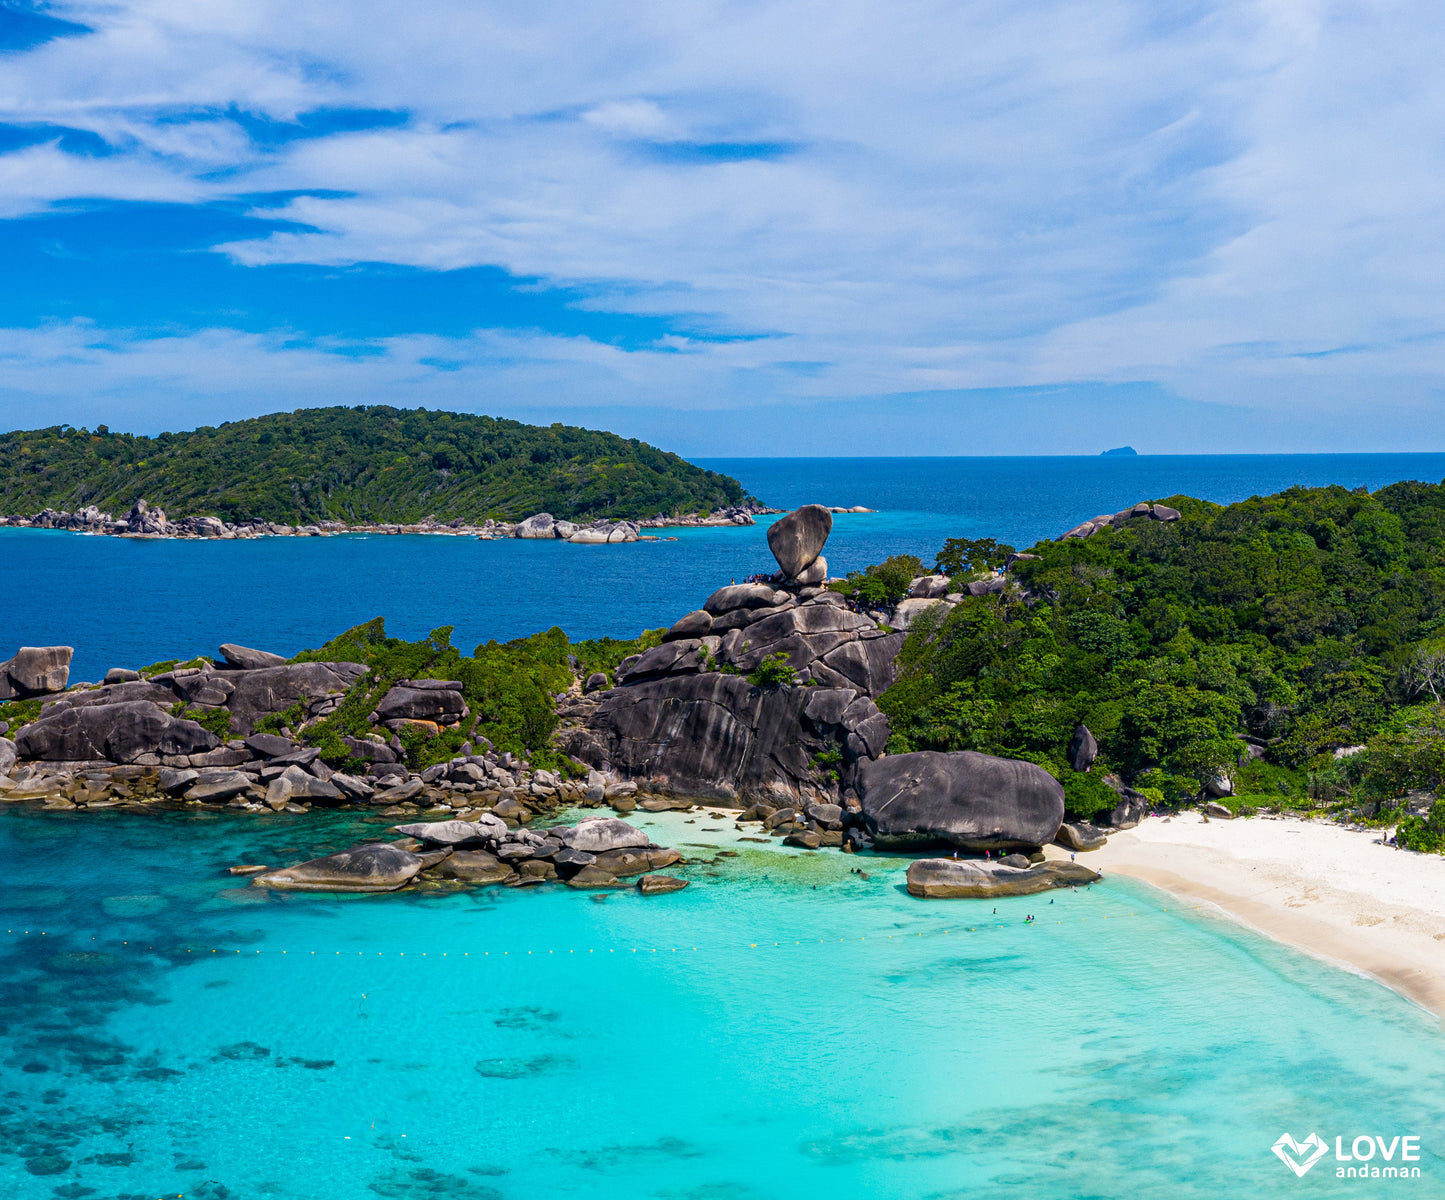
785	1028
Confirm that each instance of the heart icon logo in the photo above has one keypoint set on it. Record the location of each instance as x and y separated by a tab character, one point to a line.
1299	1157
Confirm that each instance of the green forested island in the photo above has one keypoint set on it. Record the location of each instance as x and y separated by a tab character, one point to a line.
1290	646
357	465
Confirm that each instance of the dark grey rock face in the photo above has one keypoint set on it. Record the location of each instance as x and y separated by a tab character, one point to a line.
742	595
969	879
376	867
35	671
693	625
113	693
272	689
867	664
243	658
420	704
1129	811
473	866
717	736
974	801
120	733
1083	749
798	538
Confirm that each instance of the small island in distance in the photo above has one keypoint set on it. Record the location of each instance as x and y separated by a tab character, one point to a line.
1120	452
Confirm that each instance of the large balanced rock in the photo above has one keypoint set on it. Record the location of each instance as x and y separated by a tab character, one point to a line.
376	867
120	733
243	658
797	539
35	671
969	879
974	801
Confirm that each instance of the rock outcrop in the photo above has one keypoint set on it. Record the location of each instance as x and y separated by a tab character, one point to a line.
1154	512
35	671
119	733
969	879
965	799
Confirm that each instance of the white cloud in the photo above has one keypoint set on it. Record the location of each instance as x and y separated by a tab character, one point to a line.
1238	200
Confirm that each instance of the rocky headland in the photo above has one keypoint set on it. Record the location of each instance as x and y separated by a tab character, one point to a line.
760	703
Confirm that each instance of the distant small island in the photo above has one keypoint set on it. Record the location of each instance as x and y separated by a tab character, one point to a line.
368	464
1120	452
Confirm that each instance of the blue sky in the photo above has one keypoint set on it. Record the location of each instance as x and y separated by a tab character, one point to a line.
741	228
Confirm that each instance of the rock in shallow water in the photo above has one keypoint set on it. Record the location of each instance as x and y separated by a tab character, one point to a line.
376	867
966	799
969	879
595	835
655	885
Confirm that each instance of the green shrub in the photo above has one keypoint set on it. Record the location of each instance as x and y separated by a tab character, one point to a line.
775	671
19	713
1427	833
213	720
1086	796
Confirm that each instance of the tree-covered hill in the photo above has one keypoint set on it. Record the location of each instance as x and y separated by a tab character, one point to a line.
1300	624
356	464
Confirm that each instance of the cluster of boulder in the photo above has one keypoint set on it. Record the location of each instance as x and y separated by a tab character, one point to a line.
144	521
764	694
1154	512
597	852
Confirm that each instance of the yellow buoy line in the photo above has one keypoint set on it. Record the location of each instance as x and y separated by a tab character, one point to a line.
231	952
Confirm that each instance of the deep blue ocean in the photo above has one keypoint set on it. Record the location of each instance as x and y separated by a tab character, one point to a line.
784	1029
130	603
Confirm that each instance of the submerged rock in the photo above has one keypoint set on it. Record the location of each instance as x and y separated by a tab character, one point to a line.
969	879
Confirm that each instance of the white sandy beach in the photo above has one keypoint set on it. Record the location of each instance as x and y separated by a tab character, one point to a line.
1337	894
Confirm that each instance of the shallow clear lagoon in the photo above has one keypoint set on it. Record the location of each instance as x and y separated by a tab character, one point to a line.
782	1029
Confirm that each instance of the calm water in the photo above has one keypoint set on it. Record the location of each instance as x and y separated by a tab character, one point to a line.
121	602
783	1029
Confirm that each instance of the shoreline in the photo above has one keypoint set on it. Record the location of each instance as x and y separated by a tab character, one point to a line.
1335	894
146	524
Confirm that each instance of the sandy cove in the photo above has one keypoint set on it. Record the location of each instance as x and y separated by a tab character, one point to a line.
1334	893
